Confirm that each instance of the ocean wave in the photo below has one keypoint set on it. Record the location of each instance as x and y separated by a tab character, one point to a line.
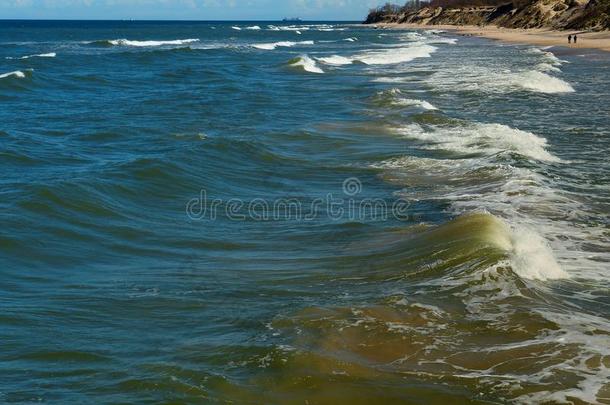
236	28
494	80
127	42
253	28
489	175
532	257
335	60
442	40
547	67
288	28
414	102
481	191
481	138
285	44
306	63
542	83
42	55
394	97
385	79
17	74
382	57
395	55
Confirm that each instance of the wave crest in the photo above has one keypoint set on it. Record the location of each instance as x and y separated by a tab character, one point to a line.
127	42
306	63
284	44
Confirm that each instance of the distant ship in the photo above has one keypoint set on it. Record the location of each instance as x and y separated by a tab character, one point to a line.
294	19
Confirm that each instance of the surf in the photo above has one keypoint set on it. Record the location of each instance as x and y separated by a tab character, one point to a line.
305	63
281	44
143	44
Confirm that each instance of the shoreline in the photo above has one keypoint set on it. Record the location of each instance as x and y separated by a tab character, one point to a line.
535	36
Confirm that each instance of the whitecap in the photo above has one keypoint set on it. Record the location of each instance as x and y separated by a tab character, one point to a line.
414	102
42	55
395	55
466	77
286	44
482	138
126	42
531	256
18	74
335	60
542	83
254	28
307	64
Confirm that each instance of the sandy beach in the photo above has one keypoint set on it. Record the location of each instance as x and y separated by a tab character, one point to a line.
544	37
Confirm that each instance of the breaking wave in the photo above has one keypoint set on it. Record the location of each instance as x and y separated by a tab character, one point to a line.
127	42
383	56
283	44
17	74
306	63
487	80
335	60
42	55
541	82
395	98
481	138
396	55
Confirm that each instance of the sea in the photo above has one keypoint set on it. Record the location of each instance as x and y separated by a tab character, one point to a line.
300	213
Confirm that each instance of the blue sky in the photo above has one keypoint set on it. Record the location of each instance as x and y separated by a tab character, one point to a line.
187	9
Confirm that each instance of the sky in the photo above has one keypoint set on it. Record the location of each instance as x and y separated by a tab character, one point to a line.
353	10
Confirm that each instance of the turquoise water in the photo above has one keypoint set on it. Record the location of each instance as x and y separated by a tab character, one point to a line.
316	213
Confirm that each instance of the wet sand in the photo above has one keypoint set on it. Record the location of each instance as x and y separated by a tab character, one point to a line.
535	36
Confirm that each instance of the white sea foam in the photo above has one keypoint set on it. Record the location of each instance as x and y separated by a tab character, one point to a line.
254	28
352	39
307	64
383	56
391	79
288	28
18	74
335	60
395	55
547	67
497	80
442	40
236	28
542	83
42	55
531	256
286	44
419	103
482	138
545	243
397	99
126	42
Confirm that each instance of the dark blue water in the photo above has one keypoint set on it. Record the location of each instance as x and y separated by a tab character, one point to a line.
317	213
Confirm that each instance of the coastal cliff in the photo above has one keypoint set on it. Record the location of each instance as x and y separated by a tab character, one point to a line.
554	14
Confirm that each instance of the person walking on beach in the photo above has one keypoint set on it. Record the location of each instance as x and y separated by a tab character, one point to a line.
570	39
575	38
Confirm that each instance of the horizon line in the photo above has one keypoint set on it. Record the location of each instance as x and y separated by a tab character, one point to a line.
155	20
